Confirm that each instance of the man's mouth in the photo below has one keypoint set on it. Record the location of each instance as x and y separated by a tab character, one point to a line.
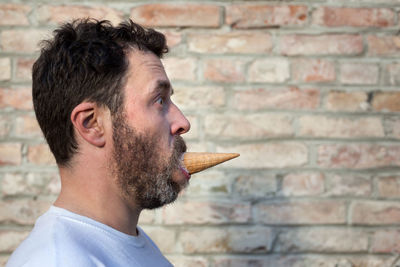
183	168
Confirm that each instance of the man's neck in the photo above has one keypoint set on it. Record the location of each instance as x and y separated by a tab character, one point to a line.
94	196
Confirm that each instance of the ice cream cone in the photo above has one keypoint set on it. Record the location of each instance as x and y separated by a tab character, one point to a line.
198	161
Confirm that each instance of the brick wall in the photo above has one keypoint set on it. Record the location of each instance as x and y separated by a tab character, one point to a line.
307	92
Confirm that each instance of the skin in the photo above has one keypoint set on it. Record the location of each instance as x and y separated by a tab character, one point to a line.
88	186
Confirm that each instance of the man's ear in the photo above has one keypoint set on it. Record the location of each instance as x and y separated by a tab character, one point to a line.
89	122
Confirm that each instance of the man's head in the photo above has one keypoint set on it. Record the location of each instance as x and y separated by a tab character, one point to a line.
91	68
87	60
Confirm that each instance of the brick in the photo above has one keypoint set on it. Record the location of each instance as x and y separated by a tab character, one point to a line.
10	154
174	38
22	41
177	15
267	155
383	45
10	239
285	98
200	212
24	69
163	237
180	68
389	186
362	260
323	240
301	212
348	185
386	101
27	127
147	217
386	241
185	261
393	127
391	74
272	70
22	211
261	15
358	156
250	126
40	155
359	73
204	240
375	213
332	44
313	70
340	127
232	42
195	97
224	70
353	17
210	182
17	98
5	69
248	185
244	240
194	128
303	184
55	14
346	101
5	125
14	184
14	14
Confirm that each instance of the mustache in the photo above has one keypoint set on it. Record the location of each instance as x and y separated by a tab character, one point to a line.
179	145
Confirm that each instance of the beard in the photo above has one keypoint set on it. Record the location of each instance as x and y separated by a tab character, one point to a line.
143	174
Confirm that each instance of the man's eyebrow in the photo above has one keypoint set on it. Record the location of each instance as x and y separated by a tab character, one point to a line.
164	86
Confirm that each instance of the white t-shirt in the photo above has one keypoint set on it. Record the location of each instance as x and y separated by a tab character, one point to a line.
62	238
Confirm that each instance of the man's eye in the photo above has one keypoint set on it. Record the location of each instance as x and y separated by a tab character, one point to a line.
160	101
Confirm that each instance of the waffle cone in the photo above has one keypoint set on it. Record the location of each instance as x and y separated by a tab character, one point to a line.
198	161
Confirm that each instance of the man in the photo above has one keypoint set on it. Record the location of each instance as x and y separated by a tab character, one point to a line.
102	100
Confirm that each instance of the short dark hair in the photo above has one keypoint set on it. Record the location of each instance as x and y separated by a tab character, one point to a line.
86	60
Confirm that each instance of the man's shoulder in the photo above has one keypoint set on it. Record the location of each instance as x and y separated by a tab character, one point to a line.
54	241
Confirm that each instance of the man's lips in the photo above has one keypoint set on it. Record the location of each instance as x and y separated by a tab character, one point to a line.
185	172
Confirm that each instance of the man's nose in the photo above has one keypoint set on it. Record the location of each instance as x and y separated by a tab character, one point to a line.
180	123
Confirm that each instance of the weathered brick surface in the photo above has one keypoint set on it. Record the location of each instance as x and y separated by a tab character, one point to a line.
10	154
386	101
358	156
291	98
383	45
238	43
200	212
389	186
271	70
303	184
16	98
323	239
301	212
355	185
306	91
268	155
355	17
313	70
359	73
346	101
188	15
332	44
256	16
248	127
14	14
375	213
224	70
55	14
321	126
